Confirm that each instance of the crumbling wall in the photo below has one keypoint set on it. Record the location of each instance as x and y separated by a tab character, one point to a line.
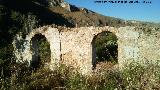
76	46
23	50
128	48
149	46
139	45
134	45
73	46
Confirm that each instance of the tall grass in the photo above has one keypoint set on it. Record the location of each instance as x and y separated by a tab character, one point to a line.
133	77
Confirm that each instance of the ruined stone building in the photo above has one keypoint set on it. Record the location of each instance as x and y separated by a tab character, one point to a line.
74	46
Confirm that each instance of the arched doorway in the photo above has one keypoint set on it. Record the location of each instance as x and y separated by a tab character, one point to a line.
41	54
104	49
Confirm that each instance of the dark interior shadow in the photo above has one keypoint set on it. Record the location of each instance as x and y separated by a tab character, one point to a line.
94	61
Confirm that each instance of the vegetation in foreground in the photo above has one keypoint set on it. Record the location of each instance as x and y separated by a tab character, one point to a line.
23	16
133	77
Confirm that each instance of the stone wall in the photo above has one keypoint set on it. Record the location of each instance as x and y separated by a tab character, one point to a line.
149	46
76	45
23	50
73	46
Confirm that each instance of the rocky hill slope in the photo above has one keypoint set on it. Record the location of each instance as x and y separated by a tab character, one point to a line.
60	13
23	16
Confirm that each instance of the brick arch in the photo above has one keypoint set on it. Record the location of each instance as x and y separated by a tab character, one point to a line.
77	48
24	54
53	37
36	61
93	47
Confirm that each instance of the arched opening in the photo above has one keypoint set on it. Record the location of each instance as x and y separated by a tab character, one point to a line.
104	49
41	54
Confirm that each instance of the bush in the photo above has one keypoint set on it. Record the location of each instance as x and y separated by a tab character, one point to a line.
106	47
133	77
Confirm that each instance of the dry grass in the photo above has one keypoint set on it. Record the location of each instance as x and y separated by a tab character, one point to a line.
133	77
104	66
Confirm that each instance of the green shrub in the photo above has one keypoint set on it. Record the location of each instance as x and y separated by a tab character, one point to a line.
134	77
106	47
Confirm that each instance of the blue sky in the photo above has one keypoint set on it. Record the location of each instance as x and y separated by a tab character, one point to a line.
141	11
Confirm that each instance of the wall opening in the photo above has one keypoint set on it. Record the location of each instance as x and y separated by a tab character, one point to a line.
41	54
104	50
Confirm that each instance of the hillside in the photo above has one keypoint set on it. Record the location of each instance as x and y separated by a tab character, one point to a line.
84	17
20	17
23	16
60	15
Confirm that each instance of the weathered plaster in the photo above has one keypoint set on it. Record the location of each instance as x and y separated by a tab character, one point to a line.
24	53
73	46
